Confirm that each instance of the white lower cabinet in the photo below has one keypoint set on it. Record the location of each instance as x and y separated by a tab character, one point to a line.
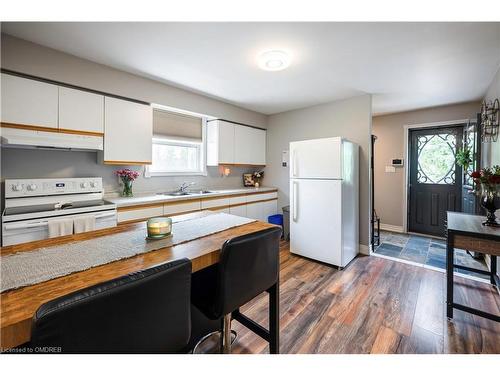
223	210
269	208
230	205
212	203
239	210
141	213
172	209
261	210
253	211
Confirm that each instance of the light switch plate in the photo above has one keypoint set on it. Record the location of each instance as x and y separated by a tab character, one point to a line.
390	169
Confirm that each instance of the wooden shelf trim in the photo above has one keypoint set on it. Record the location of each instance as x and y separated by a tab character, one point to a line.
50	130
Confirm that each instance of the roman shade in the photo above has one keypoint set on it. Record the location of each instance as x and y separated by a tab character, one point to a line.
176	125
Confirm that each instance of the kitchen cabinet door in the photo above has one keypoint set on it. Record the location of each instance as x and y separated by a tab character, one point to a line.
239	210
249	145
81	111
254	211
226	142
221	210
269	208
220	143
29	102
140	214
128	132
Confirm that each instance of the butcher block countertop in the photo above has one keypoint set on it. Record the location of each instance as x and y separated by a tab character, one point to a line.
161	198
18	306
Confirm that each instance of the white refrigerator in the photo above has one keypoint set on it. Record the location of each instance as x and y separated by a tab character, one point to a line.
324	200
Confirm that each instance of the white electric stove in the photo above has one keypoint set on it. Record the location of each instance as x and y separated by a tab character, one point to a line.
31	203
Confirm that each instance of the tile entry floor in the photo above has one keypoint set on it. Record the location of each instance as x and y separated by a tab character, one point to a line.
425	250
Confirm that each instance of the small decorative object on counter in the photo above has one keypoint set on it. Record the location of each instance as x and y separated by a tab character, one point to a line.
488	182
248	180
257	176
127	176
159	227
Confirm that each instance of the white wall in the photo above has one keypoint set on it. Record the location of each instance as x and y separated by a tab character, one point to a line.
349	118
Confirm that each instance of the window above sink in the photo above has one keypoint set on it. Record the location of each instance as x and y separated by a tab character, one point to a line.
178	145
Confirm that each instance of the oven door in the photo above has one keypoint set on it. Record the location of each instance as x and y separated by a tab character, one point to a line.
34	230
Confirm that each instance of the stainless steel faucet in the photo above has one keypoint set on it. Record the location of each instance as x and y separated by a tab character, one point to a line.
185	185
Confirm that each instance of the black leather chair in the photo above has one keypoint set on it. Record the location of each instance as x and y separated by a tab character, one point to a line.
248	266
144	312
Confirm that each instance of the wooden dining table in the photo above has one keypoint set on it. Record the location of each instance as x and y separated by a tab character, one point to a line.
18	306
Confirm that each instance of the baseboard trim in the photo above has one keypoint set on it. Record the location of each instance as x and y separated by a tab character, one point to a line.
364	249
391	228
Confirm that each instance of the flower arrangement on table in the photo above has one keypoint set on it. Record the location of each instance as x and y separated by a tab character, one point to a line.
257	177
488	181
127	176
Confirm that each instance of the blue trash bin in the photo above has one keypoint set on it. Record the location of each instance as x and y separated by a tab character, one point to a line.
277	220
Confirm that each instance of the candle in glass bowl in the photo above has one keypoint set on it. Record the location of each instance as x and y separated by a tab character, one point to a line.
159	227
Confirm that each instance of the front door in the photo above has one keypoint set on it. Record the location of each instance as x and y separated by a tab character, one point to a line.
435	179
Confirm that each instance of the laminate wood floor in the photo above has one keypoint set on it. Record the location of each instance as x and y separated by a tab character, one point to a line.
373	306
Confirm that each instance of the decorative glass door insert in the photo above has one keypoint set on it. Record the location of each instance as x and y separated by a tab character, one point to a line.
436	158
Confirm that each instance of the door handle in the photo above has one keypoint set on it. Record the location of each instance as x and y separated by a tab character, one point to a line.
294	163
295	202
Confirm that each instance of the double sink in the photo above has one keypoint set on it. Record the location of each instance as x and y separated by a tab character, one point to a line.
183	193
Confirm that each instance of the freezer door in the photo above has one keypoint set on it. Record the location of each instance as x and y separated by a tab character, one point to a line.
317	158
316	219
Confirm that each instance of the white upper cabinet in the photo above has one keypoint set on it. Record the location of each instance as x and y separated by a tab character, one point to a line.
29	102
226	143
81	110
128	132
220	143
249	145
229	143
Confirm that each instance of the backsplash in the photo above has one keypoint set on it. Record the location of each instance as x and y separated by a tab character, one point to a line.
27	163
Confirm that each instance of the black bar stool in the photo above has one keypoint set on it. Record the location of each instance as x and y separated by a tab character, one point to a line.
248	266
144	312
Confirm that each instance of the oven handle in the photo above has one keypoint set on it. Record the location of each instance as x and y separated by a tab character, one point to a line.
11	226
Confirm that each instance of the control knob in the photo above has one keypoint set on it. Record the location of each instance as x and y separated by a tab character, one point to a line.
93	184
17	187
84	185
32	187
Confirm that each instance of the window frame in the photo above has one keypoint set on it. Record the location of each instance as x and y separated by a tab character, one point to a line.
173	141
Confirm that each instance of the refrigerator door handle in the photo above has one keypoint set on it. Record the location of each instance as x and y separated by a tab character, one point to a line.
295	202
294	163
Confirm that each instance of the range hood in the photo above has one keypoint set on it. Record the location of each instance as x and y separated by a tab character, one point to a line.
21	138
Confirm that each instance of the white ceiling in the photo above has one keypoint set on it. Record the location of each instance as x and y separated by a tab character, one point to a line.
404	65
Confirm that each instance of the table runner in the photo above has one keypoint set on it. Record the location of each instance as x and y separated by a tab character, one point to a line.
32	267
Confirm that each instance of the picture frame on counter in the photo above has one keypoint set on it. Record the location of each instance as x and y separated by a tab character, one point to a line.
248	180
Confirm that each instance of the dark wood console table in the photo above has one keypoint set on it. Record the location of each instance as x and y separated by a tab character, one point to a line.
466	231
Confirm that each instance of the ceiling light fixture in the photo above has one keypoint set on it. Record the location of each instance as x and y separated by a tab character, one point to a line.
273	60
